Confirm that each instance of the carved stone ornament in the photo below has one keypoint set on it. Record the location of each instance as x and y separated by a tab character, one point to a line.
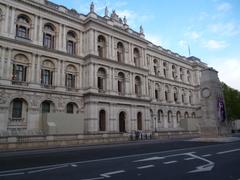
205	93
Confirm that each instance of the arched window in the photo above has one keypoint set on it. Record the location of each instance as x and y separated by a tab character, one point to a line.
101	46
165	69
121	83
101	80
20	68
49	36
139	121
178	117
71	108
47	72
155	67
23	26
70	80
122	121
19	109
160	116
138	86
47	106
71	42
120	52
170	117
136	57
181	74
102	120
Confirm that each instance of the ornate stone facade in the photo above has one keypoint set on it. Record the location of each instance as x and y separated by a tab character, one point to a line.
90	68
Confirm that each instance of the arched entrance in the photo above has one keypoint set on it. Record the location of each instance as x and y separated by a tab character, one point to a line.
122	118
139	121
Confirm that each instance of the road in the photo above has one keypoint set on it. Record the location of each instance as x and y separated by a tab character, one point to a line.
142	160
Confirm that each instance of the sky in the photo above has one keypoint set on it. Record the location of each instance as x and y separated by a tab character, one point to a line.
210	28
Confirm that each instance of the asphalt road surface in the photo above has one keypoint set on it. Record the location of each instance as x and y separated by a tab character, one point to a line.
142	160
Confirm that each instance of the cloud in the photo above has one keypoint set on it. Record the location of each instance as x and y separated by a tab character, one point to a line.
228	71
193	35
224	7
214	44
183	43
227	29
155	39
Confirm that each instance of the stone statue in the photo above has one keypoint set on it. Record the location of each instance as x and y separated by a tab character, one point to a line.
141	30
106	11
125	20
92	8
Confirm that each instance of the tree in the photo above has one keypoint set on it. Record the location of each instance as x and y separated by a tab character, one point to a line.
232	102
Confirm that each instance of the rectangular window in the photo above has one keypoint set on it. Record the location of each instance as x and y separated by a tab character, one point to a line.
70	81
22	32
70	47
47	77
100	83
19	72
120	88
48	41
100	51
17	110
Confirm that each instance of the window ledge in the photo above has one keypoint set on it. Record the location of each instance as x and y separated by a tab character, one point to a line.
20	83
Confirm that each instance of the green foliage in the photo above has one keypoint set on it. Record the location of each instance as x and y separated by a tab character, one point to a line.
232	102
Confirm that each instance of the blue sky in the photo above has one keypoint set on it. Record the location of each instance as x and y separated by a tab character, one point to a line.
210	27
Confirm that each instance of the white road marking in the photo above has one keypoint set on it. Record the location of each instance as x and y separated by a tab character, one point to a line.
206	155
12	174
94	178
74	165
169	162
145	167
150	159
21	170
206	167
229	151
108	174
187	159
47	169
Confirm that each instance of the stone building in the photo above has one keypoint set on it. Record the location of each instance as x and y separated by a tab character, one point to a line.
63	72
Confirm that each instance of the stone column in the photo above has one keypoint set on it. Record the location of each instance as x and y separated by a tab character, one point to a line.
40	33
64	40
7	20
9	67
2	63
170	71
38	70
91	85
80	47
59	70
32	74
12	25
109	48
62	83
35	38
130	55
60	46
90	37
